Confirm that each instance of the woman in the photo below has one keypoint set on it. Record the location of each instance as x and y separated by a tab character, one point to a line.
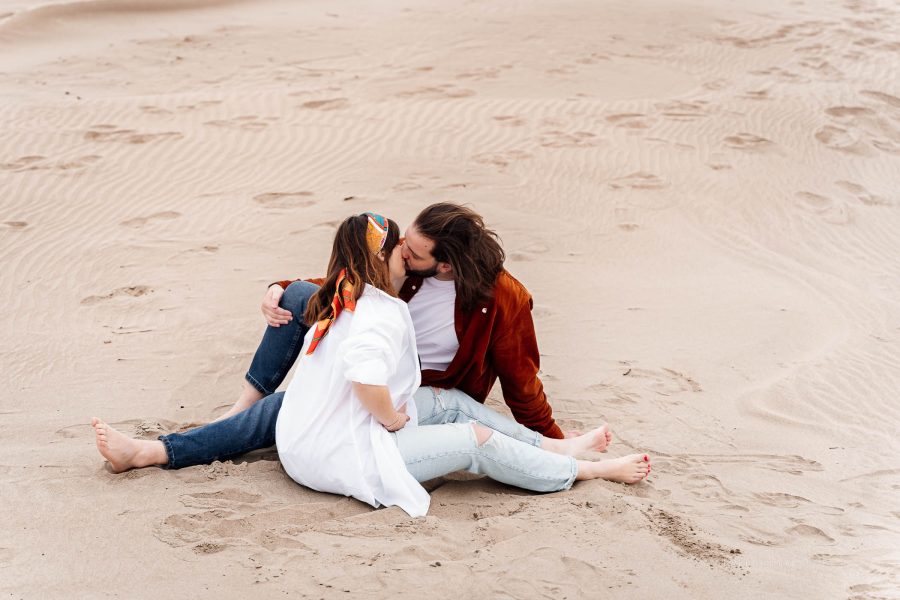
347	424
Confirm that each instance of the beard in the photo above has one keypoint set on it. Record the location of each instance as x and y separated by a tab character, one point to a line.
424	273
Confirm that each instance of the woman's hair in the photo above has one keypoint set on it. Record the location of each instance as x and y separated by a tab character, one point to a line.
351	252
461	239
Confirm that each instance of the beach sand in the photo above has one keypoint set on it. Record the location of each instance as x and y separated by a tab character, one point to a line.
702	197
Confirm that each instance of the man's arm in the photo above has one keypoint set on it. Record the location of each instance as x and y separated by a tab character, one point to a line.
275	315
515	356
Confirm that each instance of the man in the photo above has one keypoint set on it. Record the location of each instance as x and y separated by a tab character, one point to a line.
472	322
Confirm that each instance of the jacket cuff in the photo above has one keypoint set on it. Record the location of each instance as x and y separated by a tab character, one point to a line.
553	432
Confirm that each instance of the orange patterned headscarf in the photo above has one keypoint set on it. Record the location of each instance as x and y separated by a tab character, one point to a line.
376	236
376	232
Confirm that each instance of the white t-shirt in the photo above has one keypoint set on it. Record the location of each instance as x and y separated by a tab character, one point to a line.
326	439
433	312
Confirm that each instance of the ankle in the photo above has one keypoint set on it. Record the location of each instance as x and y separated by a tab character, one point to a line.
151	453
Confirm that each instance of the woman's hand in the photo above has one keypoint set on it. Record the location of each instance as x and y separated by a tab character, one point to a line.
377	400
398	423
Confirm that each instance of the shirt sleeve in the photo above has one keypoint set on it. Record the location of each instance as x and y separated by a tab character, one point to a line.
516	358
372	351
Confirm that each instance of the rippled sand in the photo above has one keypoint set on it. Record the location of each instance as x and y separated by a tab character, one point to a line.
701	196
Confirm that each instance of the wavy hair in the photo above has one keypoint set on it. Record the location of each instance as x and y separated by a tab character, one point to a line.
350	251
461	240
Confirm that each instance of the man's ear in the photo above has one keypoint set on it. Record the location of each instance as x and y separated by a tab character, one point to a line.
444	268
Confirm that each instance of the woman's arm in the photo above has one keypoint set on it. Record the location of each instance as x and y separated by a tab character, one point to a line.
377	400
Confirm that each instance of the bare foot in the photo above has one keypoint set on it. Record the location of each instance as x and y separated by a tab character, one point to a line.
627	469
593	441
249	396
125	453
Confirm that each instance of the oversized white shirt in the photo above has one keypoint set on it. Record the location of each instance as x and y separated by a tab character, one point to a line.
326	439
433	313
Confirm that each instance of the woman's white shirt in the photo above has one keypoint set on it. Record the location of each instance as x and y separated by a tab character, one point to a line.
326	438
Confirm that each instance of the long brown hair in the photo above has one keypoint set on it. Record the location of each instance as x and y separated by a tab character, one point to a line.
461	240
351	252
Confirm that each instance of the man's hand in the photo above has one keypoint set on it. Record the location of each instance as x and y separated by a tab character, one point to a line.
274	314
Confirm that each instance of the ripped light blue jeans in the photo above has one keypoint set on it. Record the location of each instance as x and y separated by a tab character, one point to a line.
445	442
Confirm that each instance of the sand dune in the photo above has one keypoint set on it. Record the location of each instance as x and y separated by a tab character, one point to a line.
720	180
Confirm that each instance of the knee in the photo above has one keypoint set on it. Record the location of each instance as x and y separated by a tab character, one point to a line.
482	434
296	296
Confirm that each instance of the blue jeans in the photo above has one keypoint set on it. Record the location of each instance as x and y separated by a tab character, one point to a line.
254	428
434	450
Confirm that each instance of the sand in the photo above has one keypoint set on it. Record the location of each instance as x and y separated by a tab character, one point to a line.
702	197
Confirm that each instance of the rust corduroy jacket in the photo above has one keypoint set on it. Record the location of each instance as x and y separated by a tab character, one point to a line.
496	341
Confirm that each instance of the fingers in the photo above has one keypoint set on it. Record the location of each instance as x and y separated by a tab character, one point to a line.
277	321
276	316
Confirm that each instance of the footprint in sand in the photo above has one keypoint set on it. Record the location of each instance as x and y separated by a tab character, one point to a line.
247	523
781	500
406	186
808	531
327	104
562	139
858	129
133	291
888	99
136	222
639	180
501	159
481	73
842	140
285	199
707	488
110	133
748	142
245	122
437	92
36	163
23	163
529	253
663	382
199	105
862	194
782	75
823	68
511	120
849	111
629	120
154	110
626	218
757	95
828	209
613	394
680	110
